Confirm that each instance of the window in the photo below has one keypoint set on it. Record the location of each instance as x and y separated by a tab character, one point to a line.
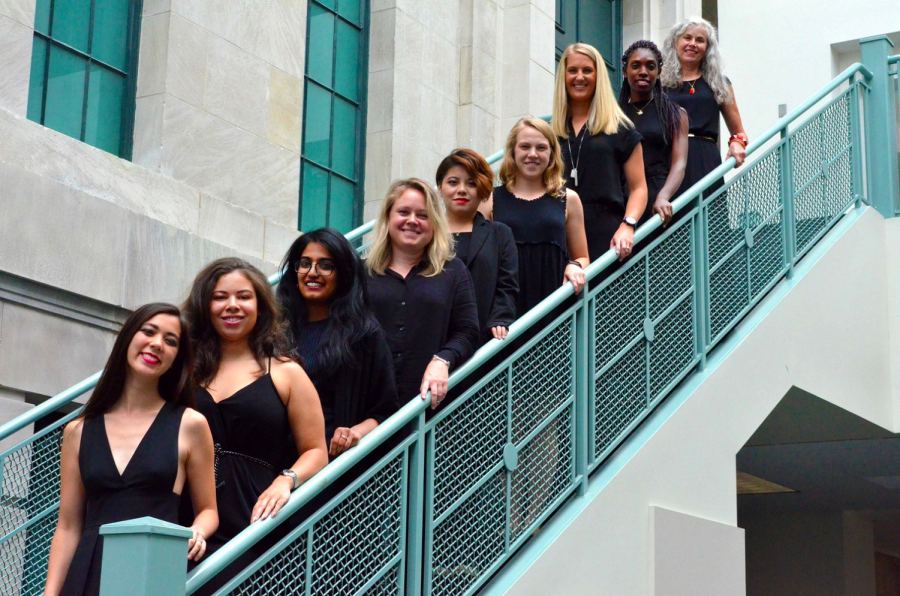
84	69
332	158
597	22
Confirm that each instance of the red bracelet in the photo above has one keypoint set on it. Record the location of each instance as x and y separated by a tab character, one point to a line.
740	139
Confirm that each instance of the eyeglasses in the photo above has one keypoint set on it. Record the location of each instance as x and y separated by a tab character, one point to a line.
323	268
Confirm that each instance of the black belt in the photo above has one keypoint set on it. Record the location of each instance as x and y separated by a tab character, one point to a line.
219	451
701	137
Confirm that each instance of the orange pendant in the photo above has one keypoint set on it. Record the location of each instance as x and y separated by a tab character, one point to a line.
691	92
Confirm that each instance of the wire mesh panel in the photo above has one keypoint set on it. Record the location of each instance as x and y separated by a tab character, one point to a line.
502	459
353	545
644	335
822	170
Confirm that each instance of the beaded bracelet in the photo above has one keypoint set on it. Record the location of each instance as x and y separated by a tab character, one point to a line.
740	139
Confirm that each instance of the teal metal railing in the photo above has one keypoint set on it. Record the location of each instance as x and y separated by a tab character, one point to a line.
458	493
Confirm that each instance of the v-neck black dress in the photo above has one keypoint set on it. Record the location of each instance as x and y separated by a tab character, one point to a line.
703	146
657	151
143	489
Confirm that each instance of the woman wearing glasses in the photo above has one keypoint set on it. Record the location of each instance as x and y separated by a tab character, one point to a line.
324	297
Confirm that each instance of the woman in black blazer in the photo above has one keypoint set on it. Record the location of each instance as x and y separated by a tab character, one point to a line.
488	249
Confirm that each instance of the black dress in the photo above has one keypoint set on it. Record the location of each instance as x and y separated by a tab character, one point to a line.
703	145
657	151
600	162
143	489
539	227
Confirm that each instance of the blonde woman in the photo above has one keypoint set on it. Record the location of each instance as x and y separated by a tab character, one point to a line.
600	148
694	78
546	219
421	294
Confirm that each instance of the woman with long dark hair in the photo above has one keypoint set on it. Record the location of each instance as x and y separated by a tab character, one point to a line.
324	298
663	126
132	449
258	401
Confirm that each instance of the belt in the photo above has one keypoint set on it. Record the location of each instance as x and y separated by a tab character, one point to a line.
218	451
710	139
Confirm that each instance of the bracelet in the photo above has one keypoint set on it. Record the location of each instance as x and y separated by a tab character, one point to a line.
439	359
739	138
576	263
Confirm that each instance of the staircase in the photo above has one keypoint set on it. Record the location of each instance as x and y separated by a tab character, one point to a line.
475	496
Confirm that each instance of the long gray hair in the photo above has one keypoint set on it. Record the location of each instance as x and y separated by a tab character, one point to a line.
712	68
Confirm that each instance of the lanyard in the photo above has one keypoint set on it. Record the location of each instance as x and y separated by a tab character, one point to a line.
576	160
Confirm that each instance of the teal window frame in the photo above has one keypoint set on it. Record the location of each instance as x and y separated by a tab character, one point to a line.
330	162
47	44
577	31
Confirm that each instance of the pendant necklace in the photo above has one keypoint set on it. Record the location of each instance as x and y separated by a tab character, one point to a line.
574	173
640	112
691	83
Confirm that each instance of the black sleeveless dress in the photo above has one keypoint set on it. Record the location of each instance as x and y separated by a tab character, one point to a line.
703	147
657	151
143	489
539	227
600	162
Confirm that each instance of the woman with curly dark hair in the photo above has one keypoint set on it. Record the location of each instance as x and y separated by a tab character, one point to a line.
324	297
662	123
252	393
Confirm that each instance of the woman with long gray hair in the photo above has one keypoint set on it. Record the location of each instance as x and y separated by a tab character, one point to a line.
694	78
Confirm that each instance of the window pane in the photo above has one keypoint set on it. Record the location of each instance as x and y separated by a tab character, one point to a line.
110	43
343	200
343	151
42	16
320	49
36	87
328	3
349	9
65	92
346	79
71	21
315	197
317	128
104	111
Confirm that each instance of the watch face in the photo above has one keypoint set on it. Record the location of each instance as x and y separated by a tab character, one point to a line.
630	221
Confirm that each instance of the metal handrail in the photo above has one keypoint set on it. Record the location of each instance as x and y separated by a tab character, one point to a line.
894	59
217	562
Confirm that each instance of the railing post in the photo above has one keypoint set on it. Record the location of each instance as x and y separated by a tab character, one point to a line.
881	128
144	557
583	392
416	501
788	214
700	259
856	152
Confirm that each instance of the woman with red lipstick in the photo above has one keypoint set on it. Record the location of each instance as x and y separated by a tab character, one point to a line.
662	124
600	148
324	297
694	78
130	453
421	295
255	397
488	249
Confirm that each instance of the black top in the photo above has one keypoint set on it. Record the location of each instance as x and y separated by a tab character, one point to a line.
539	229
143	489
423	317
252	440
356	393
463	240
701	107
600	160
656	148
493	261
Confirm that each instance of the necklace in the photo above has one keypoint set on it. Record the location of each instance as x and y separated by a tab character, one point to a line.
640	111
692	83
574	173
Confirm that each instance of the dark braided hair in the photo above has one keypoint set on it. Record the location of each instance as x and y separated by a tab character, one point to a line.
668	111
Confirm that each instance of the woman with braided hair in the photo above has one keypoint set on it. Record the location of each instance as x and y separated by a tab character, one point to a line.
661	122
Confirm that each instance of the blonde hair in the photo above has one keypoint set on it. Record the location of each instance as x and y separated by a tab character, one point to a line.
604	115
438	251
553	179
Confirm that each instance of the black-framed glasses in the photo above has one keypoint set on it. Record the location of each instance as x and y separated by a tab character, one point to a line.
323	268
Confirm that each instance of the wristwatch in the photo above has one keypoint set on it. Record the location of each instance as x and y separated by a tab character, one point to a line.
630	221
293	476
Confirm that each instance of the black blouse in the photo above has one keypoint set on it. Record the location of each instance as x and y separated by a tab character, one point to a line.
600	160
423	317
701	106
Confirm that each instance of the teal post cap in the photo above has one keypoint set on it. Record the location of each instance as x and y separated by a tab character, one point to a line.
877	38
146	525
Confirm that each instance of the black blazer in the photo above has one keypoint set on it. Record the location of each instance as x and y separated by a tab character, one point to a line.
493	261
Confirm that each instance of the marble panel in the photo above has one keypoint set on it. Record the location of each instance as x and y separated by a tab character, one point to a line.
73	351
465	75
517	34
484	27
633	12
55	156
415	9
382	38
466	17
380	101
148	131
540	100
632	33
379	5
514	98
278	240
411	38
152	7
668	13
484	82
154	50
464	126
484	135
548	7
285	110
266	180
408	104
443	69
379	158
55	235
443	20
16	41
543	40
278	36
20	11
186	77
237	86
231	226
444	140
